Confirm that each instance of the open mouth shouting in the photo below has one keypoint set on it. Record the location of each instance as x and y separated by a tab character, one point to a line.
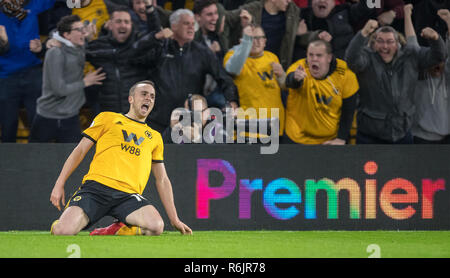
318	70
141	10
122	34
145	108
314	67
315	70
322	7
211	26
386	55
384	52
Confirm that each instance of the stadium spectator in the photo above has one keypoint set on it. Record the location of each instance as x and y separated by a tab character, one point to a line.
179	66
431	96
114	52
334	24
117	178
279	19
139	15
20	67
210	33
322	98
193	124
425	15
207	16
57	115
96	11
257	74
387	73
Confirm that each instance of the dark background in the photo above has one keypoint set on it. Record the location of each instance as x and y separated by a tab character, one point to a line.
29	171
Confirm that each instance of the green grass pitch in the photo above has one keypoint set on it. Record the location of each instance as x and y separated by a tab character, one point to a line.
231	244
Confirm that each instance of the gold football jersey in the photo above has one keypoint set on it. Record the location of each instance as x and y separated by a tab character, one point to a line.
257	85
125	151
313	111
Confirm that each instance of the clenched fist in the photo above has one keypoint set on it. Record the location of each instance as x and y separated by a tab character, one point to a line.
445	15
246	18
369	28
35	46
429	34
164	34
407	9
324	35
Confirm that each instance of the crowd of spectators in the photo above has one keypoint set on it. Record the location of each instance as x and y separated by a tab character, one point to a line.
319	62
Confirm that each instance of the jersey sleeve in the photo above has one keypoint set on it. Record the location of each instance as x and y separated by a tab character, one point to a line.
158	151
97	128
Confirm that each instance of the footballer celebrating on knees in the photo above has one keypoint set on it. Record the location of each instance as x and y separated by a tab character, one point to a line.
127	150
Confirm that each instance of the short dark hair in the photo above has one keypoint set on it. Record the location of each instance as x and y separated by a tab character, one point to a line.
255	26
119	8
199	5
328	47
146	82
192	98
65	23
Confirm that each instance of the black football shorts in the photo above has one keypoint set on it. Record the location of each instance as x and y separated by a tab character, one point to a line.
98	200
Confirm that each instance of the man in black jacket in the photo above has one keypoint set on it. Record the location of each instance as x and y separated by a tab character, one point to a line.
113	52
179	65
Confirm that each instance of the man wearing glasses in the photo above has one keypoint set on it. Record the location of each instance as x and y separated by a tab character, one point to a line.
387	74
279	20
57	115
257	74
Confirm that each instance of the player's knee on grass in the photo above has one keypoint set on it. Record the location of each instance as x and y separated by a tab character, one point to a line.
71	222
153	228
60	229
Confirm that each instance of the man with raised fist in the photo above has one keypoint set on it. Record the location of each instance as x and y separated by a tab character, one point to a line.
387	72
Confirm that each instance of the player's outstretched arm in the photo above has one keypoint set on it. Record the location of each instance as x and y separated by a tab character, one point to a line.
164	187
72	162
